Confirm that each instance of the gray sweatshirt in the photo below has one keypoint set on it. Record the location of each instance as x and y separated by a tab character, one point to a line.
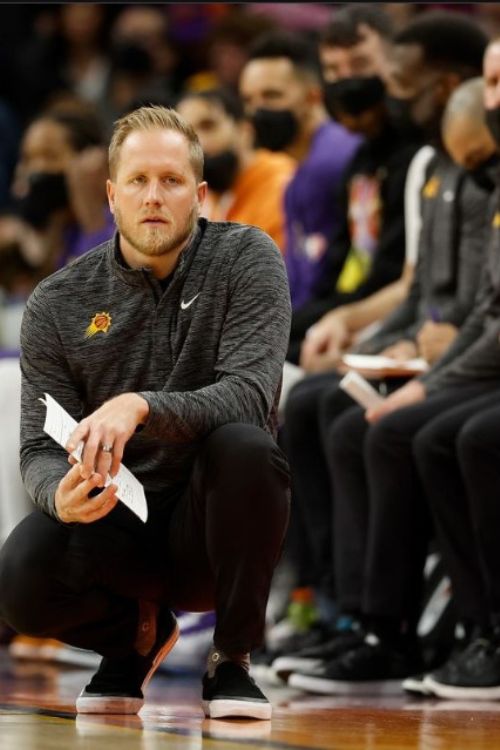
474	356
207	351
452	250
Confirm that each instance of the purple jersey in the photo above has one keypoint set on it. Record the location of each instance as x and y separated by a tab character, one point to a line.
311	207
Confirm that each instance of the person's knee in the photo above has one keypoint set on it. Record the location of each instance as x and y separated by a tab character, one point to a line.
390	438
246	459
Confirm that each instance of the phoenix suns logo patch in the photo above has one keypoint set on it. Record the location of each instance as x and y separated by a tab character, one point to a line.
100	323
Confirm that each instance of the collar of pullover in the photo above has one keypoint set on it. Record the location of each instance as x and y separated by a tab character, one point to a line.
143	276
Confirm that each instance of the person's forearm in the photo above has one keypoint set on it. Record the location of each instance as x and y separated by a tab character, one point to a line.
360	314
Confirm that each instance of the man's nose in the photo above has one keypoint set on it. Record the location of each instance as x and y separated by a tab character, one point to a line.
153	192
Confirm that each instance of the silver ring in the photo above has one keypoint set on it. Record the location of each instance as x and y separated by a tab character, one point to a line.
107	448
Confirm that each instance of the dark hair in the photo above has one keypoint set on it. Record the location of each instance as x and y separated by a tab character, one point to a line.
226	100
83	130
297	49
343	30
448	40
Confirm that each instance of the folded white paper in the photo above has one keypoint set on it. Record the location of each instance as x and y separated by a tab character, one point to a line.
377	362
360	390
59	425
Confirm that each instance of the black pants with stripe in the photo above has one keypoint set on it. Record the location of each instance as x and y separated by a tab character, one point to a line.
213	547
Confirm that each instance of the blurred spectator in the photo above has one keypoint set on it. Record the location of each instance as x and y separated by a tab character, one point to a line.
60	186
236	172
281	91
369	245
84	62
63	51
59	209
295	16
227	48
356	43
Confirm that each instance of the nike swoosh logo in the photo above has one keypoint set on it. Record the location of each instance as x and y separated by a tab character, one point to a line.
185	305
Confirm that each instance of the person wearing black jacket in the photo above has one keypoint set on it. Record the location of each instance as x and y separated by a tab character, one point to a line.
377	462
368	250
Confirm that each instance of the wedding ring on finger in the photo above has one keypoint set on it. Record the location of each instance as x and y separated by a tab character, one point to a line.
107	448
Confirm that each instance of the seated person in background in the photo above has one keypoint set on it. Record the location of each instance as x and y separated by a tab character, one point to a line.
451	257
420	53
368	248
60	205
245	184
281	91
382	527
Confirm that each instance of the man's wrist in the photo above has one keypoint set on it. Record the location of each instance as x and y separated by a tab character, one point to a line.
142	409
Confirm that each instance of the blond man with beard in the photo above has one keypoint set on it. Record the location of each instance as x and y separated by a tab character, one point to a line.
166	344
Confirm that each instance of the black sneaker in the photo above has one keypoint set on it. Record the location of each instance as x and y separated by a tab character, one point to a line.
315	657
473	674
118	685
373	668
231	692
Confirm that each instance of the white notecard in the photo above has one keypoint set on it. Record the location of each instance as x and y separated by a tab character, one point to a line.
378	362
360	390
59	425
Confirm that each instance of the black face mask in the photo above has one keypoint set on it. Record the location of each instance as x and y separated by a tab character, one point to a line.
493	123
485	175
220	170
47	193
353	95
275	129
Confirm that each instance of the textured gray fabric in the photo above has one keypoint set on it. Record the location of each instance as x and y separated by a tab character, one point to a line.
475	354
207	351
452	249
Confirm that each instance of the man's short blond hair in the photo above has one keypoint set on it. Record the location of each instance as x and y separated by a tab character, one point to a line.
155	117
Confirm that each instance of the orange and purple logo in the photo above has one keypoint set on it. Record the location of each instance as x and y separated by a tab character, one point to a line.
100	323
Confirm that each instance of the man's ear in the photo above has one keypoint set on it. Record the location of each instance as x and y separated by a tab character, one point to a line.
110	191
201	192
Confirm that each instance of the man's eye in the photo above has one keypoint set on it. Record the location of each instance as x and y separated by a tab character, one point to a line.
138	180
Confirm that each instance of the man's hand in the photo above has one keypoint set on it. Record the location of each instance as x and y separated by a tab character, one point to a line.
434	338
106	432
72	500
324	343
409	394
401	350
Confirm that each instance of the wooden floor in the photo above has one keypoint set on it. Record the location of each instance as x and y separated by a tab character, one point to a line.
37	713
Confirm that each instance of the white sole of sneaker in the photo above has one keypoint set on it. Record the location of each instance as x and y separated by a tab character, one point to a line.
339	687
454	692
88	704
226	708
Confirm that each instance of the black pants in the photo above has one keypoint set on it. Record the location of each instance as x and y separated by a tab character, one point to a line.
312	409
312	504
383	502
215	547
458	456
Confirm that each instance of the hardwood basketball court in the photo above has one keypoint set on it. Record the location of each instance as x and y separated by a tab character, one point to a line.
37	713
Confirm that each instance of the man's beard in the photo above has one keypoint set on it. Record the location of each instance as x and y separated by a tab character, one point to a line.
157	244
